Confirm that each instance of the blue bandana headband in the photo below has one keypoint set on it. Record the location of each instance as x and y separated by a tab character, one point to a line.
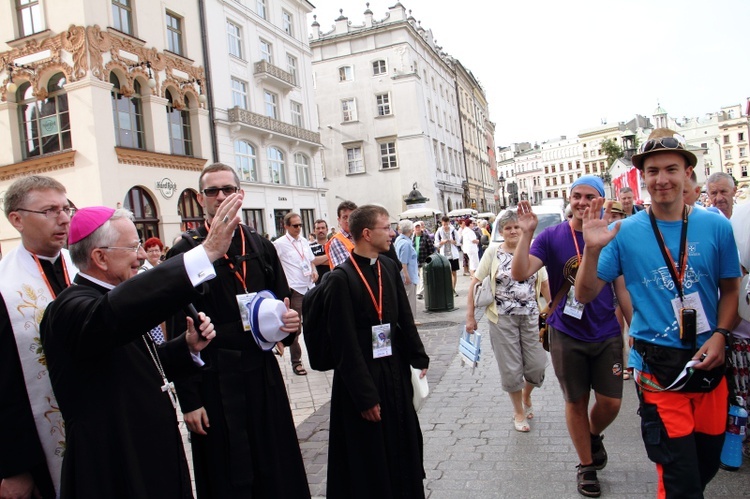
592	181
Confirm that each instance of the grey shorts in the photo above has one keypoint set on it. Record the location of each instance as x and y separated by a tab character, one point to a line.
520	357
581	366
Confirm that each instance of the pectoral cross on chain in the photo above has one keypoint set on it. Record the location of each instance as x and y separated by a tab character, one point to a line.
168	387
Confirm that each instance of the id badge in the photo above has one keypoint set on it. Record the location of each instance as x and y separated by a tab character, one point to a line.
243	301
573	307
381	341
693	300
306	268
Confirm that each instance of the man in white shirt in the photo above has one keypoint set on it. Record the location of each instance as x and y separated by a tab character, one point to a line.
446	240
297	260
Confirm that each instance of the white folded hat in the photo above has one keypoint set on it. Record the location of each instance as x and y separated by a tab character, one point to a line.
266	313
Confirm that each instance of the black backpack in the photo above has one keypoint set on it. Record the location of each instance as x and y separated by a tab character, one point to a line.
317	336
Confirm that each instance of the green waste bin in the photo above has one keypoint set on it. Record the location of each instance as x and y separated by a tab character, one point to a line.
438	285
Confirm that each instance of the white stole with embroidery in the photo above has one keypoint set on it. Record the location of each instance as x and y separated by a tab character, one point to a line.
26	296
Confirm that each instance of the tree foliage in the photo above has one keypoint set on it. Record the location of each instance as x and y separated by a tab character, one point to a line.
612	150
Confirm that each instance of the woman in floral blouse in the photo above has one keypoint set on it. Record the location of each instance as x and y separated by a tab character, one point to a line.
514	323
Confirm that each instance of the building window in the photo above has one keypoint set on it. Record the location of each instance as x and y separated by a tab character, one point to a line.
291	67
254	218
178	120
122	16
743	152
308	220
743	170
174	33
726	139
429	110
355	162
346	73
245	161
378	68
287	23
266	51
45	123
128	115
349	109
384	104
190	210
239	93
729	170
270	101
234	39
297	118
741	137
29	17
145	216
302	166
261	10
728	154
276	166
388	155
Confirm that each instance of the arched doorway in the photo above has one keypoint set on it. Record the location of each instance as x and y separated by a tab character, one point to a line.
190	210
140	202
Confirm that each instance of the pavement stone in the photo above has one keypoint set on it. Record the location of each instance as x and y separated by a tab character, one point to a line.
470	445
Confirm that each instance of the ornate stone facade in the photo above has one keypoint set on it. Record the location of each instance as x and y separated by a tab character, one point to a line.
97	52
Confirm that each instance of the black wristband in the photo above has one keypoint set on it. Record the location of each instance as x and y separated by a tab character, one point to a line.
726	333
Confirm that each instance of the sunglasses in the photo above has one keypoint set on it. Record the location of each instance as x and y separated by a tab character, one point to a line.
212	192
675	142
296	226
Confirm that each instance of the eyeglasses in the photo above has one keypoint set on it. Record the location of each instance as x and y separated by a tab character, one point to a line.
388	228
136	249
212	192
50	212
674	142
296	226
155	251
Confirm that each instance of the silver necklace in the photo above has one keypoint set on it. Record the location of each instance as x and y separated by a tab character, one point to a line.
168	386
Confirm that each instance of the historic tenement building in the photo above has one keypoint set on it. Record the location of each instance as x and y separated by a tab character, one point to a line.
389	116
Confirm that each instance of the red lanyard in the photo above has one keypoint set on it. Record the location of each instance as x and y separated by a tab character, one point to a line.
240	277
378	306
300	253
44	276
575	241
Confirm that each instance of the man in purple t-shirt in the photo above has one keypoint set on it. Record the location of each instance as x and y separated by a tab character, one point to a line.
585	341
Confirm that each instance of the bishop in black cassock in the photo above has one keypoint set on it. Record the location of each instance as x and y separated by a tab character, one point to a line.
110	379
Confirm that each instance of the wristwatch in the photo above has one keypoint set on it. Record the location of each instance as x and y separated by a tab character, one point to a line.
726	333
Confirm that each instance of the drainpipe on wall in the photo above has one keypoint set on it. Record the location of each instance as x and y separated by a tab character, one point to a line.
209	85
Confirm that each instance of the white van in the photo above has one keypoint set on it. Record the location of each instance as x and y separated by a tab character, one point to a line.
547	215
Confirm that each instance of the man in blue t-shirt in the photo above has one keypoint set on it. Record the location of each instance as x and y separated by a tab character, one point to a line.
585	341
683	280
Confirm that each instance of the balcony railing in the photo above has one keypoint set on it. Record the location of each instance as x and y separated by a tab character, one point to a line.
264	69
238	115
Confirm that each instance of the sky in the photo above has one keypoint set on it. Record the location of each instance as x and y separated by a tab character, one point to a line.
556	67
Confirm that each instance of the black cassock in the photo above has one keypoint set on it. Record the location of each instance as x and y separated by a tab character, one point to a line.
251	450
384	459
122	434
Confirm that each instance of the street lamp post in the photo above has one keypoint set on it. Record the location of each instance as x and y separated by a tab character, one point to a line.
501	181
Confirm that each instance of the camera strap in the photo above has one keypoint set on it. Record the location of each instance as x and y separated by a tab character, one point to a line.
678	274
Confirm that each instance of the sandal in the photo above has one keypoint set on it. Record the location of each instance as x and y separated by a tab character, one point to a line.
522	426
588	484
299	370
528	411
